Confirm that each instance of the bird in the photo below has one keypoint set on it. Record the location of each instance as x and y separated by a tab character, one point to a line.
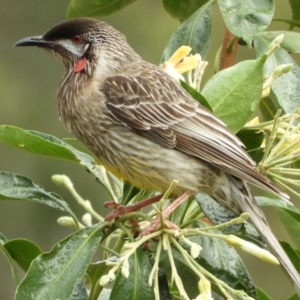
146	129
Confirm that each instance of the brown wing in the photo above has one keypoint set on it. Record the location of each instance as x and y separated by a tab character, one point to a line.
156	107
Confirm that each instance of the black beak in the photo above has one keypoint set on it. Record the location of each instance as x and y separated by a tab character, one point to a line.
35	41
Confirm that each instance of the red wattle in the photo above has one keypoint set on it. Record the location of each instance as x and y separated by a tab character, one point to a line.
80	65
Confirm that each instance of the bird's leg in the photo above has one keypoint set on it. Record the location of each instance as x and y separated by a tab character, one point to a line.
121	210
166	213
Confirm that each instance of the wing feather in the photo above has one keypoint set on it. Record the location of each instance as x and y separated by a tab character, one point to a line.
160	110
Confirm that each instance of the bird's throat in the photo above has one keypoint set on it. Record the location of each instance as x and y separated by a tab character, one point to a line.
80	65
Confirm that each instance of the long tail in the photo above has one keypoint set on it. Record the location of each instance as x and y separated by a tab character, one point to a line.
245	202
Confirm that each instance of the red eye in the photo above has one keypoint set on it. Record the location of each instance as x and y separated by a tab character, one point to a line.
76	39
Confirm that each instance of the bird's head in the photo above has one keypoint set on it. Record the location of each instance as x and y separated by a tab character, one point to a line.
85	43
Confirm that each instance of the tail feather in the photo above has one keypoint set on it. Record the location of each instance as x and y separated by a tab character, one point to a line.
247	203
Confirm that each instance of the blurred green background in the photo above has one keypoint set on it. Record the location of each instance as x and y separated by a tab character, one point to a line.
28	82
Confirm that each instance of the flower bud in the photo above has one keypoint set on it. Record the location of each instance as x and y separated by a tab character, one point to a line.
66	222
62	180
104	280
252	249
195	250
87	219
204	287
277	41
125	268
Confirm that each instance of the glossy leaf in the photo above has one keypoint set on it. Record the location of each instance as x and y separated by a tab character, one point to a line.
251	138
188	277
194	32
262	294
219	214
79	292
88	8
164	293
286	87
196	95
76	144
95	271
291	40
135	287
268	108
215	212
295	6
294	297
291	225
289	215
288	21
129	191
23	252
53	275
10	260
280	204
182	9
234	93
246	18
17	187
292	254
48	145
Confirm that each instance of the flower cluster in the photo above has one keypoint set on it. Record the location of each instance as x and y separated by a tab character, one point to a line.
181	62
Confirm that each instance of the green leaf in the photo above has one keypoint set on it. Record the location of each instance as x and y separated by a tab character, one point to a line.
251	138
291	40
88	8
215	212
262	294
294	297
135	287
48	145
79	292
295	6
76	144
196	95
53	275
188	277
246	18
291	22
194	32
252	141
95	271
288	214
129	191
10	260
268	107
17	187
164	293
234	93
182	9
292	254
280	204
23	252
291	225
286	87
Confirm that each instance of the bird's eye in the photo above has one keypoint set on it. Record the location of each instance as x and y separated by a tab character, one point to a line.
77	39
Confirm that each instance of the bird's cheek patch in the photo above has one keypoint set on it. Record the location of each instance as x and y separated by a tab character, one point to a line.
80	65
